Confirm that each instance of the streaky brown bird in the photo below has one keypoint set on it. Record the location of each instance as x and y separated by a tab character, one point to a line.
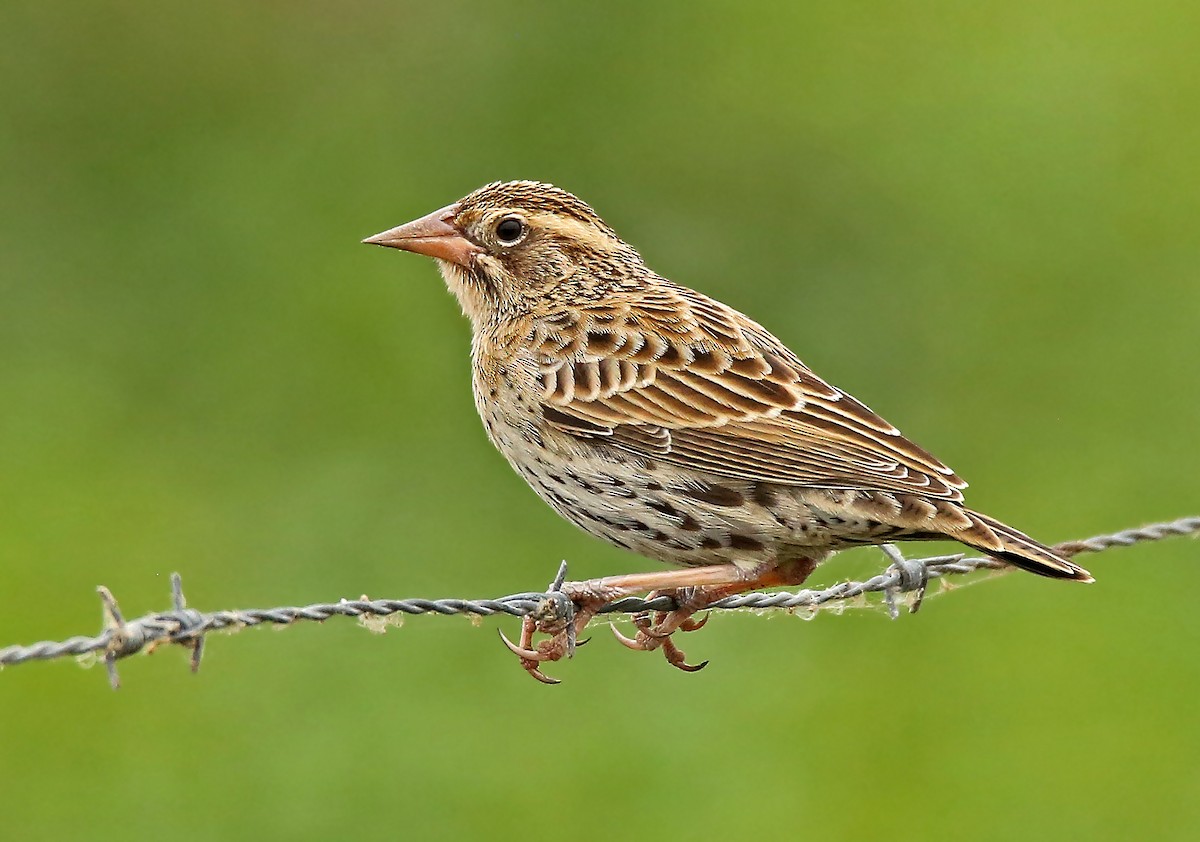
670	424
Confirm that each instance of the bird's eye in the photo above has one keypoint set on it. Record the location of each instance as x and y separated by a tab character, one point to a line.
509	230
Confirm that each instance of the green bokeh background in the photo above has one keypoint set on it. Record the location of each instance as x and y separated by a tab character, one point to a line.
979	218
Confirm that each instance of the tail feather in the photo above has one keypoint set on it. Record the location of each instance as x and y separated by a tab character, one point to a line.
1003	542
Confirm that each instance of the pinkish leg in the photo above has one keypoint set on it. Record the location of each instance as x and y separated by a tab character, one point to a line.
693	599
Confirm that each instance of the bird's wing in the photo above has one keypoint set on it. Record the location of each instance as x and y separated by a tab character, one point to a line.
674	375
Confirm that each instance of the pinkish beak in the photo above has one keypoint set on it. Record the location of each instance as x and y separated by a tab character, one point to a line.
434	235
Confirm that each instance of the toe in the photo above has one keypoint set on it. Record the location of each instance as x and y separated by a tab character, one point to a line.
676	658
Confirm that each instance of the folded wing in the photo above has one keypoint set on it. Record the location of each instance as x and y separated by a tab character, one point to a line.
679	377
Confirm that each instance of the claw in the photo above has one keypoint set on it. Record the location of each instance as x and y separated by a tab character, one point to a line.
583	642
690	625
627	642
521	652
542	677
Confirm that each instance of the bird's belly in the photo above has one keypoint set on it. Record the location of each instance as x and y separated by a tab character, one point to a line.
678	516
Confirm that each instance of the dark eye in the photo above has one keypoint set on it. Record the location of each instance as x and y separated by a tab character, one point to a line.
509	230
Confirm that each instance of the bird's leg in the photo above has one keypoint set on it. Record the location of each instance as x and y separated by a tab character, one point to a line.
693	589
692	599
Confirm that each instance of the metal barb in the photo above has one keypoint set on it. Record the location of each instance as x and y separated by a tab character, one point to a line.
187	627
889	593
911	575
114	627
558	608
190	623
559	577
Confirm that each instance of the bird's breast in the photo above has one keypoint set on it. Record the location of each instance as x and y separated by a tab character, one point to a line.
507	398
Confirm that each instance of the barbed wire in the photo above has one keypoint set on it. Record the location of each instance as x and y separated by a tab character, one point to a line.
187	627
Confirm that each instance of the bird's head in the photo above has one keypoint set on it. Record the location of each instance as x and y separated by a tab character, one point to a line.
509	244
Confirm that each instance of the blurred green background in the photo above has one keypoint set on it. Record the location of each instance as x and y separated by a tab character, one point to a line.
979	218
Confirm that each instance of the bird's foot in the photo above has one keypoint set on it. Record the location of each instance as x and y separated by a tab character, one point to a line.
561	644
532	658
564	628
658	634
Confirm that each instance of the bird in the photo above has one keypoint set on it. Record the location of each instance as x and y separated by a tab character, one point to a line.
669	424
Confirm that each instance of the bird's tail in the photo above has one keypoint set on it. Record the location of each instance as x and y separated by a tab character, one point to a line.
1003	542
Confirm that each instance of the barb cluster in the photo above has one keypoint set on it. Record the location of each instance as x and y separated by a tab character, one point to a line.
187	627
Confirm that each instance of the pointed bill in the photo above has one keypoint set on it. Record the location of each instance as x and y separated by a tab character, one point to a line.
434	235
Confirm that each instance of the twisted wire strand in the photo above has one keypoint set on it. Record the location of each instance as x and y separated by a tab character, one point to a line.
187	627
